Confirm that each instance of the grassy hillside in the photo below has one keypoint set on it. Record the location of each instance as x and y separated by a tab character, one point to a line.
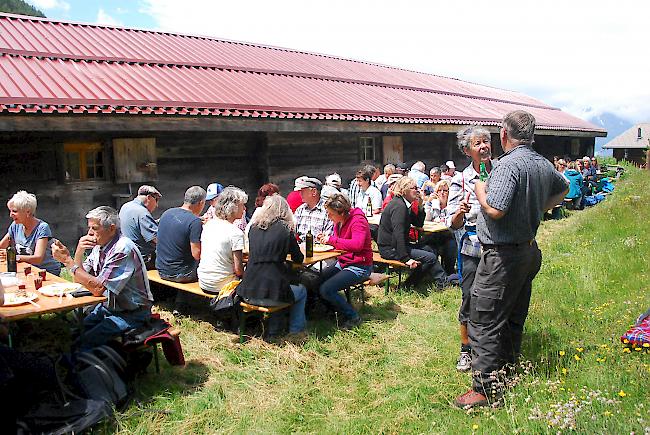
396	373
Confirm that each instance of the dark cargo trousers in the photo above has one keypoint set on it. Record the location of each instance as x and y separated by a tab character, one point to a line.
498	309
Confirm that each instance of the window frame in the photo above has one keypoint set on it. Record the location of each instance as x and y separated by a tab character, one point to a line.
82	149
367	143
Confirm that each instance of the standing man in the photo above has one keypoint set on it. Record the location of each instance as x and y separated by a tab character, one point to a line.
518	192
138	224
463	209
417	173
114	268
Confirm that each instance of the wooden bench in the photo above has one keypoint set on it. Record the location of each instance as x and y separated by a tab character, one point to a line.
249	309
390	264
374	279
190	287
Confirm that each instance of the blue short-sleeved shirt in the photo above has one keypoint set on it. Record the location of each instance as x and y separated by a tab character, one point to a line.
138	225
176	230
26	245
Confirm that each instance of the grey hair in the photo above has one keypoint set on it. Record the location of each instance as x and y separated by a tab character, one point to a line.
106	216
520	127
24	201
274	208
419	165
194	195
228	201
435	170
466	134
389	168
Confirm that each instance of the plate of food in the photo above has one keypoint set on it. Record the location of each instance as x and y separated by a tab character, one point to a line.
59	288
19	298
322	248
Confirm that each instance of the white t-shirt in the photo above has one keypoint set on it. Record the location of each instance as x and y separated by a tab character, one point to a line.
219	240
375	198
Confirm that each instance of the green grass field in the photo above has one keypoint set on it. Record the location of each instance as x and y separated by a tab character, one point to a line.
396	373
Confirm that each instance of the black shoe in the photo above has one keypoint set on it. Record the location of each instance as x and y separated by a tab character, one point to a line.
352	323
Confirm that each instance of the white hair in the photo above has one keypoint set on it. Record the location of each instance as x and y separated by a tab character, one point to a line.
106	216
24	201
228	202
418	166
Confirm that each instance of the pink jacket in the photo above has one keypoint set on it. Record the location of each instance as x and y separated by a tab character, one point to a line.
353	237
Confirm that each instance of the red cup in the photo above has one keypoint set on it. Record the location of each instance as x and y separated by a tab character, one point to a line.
42	274
28	270
22	287
38	282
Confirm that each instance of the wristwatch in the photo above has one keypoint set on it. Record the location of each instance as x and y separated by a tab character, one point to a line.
73	269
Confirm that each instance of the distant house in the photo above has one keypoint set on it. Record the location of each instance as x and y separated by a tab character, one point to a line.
632	144
89	112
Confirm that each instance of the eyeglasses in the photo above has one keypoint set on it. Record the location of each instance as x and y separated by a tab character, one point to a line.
444	190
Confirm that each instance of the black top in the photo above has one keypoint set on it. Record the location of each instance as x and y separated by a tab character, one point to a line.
266	280
393	237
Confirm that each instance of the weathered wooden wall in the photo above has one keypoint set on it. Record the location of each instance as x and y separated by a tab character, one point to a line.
560	146
634	155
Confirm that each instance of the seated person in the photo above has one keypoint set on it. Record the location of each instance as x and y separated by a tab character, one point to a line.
222	242
178	250
212	193
311	215
114	268
393	237
368	192
139	225
576	186
266	281
28	234
352	236
442	242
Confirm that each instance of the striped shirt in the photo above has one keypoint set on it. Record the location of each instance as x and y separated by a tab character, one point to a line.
121	270
520	185
314	219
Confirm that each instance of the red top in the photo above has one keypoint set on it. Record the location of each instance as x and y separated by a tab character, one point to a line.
354	238
294	199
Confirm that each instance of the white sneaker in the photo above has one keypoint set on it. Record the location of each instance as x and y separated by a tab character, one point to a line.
464	362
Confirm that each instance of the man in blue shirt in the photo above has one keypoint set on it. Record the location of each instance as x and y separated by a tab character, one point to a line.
138	224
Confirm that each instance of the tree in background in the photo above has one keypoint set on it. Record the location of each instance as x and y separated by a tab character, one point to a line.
19	7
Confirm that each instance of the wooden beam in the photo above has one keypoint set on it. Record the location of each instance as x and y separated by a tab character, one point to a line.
132	123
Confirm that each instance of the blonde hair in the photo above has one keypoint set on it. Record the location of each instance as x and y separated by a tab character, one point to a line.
274	208
23	201
441	183
402	185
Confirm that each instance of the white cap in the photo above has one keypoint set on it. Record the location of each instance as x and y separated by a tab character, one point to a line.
450	164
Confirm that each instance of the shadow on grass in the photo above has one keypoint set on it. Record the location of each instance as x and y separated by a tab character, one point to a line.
541	348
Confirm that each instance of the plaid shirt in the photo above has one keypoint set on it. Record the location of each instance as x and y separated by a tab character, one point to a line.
120	268
315	220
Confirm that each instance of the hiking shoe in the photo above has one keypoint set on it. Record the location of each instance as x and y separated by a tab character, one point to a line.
471	399
351	323
464	363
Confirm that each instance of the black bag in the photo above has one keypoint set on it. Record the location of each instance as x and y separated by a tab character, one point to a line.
71	417
310	279
225	310
100	375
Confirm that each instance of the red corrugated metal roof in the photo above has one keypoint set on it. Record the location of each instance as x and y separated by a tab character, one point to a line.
59	67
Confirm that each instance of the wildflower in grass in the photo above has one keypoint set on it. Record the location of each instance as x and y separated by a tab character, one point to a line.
601	359
564	371
577	357
580	349
638	349
626	350
622	393
646	344
562	353
607	413
474	426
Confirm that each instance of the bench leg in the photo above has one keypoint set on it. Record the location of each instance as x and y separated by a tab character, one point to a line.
155	357
387	286
242	326
347	292
399	278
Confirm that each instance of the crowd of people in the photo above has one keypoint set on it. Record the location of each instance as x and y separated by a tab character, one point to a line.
489	248
582	175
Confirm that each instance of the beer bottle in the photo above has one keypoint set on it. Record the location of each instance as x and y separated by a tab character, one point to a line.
309	244
483	175
369	208
11	257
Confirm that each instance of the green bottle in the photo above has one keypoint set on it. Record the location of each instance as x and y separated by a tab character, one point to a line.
11	257
309	244
483	174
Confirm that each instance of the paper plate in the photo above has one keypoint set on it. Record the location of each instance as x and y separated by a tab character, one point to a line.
13	299
59	288
322	248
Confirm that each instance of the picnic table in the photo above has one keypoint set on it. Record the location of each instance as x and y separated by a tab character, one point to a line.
427	228
43	304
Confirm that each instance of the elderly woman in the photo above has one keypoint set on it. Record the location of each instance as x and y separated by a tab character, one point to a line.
222	242
29	234
352	236
266	282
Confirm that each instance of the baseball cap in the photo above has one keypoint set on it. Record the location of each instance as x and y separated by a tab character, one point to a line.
213	191
450	164
305	182
149	190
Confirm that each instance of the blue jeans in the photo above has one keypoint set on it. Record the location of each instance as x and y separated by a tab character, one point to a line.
337	278
297	320
102	324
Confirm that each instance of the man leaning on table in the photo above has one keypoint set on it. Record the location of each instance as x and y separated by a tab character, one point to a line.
114	268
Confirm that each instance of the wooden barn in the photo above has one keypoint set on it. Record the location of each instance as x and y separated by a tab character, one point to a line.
89	112
632	145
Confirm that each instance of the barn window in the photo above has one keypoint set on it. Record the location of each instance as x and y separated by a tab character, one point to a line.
83	161
367	149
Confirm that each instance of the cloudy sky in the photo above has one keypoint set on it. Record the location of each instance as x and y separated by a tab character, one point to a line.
586	57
